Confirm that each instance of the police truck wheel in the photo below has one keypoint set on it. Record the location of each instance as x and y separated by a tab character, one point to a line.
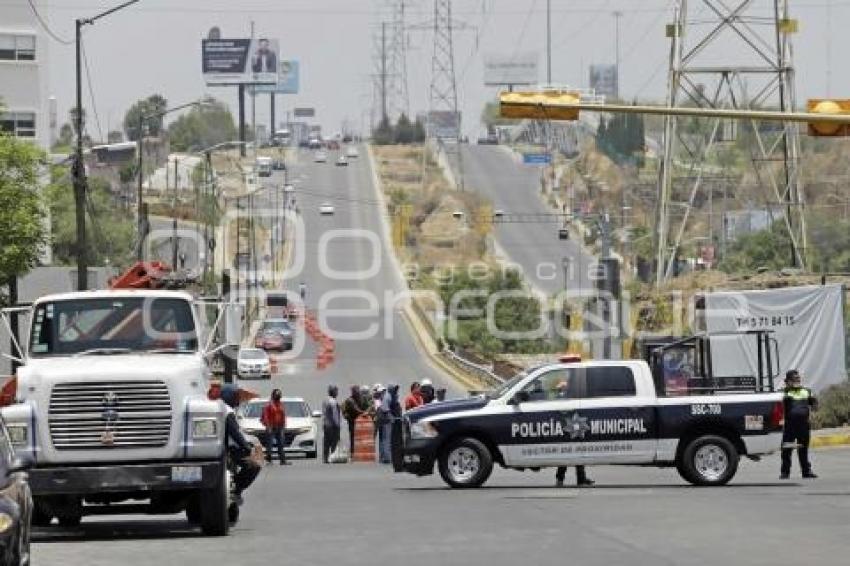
466	462
215	520
709	461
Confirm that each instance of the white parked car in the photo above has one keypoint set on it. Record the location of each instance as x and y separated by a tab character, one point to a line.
326	209
320	157
288	189
342	161
253	362
301	425
351	151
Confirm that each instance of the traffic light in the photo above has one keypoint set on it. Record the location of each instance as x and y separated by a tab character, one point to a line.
539	105
826	127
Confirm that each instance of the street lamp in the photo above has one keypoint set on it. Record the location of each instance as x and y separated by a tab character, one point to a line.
78	170
142	228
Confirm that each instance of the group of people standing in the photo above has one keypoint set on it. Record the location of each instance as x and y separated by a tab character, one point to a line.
383	405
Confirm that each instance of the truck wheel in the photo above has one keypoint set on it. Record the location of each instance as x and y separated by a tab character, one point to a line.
193	511
709	461
465	462
213	506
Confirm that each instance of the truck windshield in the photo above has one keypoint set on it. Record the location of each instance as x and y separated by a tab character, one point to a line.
112	325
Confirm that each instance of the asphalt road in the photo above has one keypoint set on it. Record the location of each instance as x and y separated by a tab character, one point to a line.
527	237
362	514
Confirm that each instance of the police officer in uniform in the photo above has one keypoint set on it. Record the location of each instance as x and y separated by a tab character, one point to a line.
562	392
799	402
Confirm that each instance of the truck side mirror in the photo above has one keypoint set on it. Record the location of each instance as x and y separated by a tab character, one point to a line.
520	397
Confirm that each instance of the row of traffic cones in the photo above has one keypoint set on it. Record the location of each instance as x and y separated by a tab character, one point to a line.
327	345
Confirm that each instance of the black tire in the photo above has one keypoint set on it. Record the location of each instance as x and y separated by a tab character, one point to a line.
708	461
213	506
465	463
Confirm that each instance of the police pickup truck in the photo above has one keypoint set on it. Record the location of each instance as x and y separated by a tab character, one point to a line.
597	413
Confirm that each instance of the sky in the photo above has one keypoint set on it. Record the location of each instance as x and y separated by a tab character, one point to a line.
154	47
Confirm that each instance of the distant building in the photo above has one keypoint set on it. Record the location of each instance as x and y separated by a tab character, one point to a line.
739	222
27	110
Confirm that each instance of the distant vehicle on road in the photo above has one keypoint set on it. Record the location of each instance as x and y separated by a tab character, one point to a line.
288	189
314	143
352	152
279	165
333	145
275	334
341	161
320	156
264	166
673	414
326	209
301	427
253	362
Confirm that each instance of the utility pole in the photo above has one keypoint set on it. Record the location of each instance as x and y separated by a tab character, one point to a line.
384	110
242	151
548	42
617	15
79	171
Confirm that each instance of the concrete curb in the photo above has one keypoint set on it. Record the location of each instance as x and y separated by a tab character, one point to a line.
839	437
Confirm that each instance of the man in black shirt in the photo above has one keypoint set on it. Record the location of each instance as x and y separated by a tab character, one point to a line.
799	402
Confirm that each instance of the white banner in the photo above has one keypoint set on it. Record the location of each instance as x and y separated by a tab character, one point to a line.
807	323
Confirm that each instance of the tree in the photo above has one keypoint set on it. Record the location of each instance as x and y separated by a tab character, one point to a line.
203	126
150	110
66	137
383	134
22	233
72	118
768	248
403	130
419	133
111	227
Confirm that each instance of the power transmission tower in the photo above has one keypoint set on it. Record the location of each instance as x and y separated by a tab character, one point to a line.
761	76
399	99
444	119
381	77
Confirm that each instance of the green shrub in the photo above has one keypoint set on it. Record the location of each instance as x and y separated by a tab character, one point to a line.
834	407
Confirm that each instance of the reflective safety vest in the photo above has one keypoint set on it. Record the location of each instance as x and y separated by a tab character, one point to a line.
797	402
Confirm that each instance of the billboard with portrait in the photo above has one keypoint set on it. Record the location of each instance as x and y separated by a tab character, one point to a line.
240	61
287	79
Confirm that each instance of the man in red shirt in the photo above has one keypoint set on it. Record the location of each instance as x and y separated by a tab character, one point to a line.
274	419
414	398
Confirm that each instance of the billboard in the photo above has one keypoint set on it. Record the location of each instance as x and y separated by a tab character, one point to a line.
520	69
603	79
239	61
287	79
304	112
807	323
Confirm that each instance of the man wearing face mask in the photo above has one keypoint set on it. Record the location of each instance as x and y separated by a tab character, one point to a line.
274	419
799	402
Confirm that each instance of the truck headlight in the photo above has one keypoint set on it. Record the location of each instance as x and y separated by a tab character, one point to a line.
6	522
204	427
423	430
18	433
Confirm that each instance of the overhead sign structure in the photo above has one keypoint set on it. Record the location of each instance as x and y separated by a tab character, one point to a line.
240	61
444	124
287	79
539	105
304	112
537	158
500	70
828	106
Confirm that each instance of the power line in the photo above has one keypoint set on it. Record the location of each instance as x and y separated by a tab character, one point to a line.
91	90
47	27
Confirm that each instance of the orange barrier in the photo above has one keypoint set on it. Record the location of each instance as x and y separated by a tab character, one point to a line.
364	440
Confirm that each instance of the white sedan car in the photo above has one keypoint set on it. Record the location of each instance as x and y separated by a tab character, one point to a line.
253	362
320	157
326	209
301	427
351	151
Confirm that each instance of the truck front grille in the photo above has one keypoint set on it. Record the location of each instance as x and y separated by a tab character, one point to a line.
107	415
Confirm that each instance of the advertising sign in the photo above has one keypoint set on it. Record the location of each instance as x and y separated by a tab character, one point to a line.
240	61
287	79
304	112
603	79
520	69
444	124
807	323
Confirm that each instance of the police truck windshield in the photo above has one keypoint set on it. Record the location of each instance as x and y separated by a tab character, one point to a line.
102	326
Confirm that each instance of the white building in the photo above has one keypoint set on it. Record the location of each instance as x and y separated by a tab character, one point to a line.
27	111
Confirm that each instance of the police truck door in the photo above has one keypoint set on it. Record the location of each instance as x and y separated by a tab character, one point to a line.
543	423
620	412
